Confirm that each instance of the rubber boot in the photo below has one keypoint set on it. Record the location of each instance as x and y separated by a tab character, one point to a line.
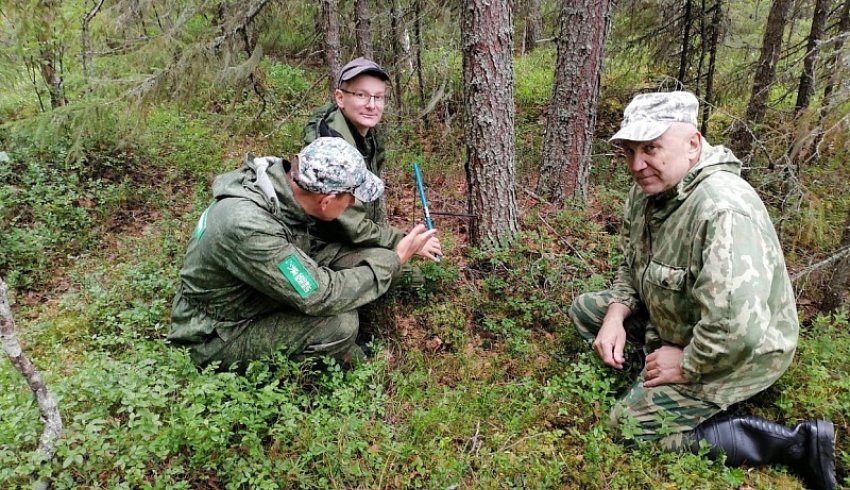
808	449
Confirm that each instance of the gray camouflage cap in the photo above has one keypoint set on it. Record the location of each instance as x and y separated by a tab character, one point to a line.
648	116
332	166
360	66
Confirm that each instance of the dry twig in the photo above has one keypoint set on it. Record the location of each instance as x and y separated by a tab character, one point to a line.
46	402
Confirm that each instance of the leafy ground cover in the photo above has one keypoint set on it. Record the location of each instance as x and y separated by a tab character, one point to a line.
478	380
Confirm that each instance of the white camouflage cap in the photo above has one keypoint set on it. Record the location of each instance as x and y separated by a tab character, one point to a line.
648	116
331	165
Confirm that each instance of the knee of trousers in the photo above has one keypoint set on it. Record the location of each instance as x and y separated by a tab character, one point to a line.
347	328
587	312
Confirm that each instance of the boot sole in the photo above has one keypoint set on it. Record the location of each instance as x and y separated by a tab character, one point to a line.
826	454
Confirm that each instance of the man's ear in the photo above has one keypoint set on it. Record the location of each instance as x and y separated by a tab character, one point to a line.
325	201
338	94
695	145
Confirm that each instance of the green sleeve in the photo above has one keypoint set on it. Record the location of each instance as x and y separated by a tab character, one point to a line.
731	291
622	289
360	230
276	268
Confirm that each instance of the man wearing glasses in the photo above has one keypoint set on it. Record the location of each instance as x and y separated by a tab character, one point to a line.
354	115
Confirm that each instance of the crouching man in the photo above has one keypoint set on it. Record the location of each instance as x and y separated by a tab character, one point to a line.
256	280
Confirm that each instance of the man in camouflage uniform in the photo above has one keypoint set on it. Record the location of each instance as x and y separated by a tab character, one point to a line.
704	289
255	279
355	115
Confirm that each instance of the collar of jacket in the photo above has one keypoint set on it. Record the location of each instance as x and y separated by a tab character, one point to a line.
337	121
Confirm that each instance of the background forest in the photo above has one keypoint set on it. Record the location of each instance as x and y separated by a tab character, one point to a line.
115	115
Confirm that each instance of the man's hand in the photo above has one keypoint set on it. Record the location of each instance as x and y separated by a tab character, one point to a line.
611	338
663	367
413	242
431	249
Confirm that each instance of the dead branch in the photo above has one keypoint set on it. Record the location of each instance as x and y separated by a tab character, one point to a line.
835	257
46	402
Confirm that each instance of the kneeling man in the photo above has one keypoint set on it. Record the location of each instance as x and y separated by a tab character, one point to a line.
704	290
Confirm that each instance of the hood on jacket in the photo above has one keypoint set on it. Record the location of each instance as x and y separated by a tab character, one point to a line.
262	180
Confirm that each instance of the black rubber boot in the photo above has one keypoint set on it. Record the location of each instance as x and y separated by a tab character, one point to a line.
808	449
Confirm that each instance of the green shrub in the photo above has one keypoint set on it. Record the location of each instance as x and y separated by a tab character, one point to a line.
186	144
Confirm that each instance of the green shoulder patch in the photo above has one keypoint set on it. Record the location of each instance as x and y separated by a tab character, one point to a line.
201	227
297	275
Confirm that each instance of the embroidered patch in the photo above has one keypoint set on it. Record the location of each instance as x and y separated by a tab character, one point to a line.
298	276
202	224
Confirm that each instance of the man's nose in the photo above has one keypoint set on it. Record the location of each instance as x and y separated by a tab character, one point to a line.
638	163
371	101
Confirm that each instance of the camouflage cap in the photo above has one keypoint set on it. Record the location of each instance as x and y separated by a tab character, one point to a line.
332	166
359	66
648	116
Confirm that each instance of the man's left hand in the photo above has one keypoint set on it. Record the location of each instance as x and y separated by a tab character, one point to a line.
663	367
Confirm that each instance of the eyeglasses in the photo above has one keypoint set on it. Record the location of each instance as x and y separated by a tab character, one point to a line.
365	98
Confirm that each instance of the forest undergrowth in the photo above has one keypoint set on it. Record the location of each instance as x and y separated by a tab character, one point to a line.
478	381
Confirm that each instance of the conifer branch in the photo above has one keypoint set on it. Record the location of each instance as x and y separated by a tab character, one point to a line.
230	42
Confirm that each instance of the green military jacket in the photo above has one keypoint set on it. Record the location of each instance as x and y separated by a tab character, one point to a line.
249	256
367	220
704	261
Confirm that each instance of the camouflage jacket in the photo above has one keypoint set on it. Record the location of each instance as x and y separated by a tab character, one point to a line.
704	261
249	256
365	219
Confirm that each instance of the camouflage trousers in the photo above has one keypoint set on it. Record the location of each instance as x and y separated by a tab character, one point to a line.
295	333
661	413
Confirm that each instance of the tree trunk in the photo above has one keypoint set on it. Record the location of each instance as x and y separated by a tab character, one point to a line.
807	78
330	34
417	26
687	21
488	94
771	48
533	25
836	292
50	52
841	35
395	32
45	400
363	29
716	25
703	49
567	143
88	65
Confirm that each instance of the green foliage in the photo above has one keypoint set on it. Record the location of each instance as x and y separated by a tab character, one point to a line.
287	82
184	143
96	198
53	194
533	77
283	32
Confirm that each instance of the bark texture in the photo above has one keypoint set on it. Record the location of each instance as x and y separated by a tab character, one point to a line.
363	29
567	144
533	25
807	79
771	48
836	292
330	35
488	92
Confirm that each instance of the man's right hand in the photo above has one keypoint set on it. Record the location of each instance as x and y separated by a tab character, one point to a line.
413	242
611	339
